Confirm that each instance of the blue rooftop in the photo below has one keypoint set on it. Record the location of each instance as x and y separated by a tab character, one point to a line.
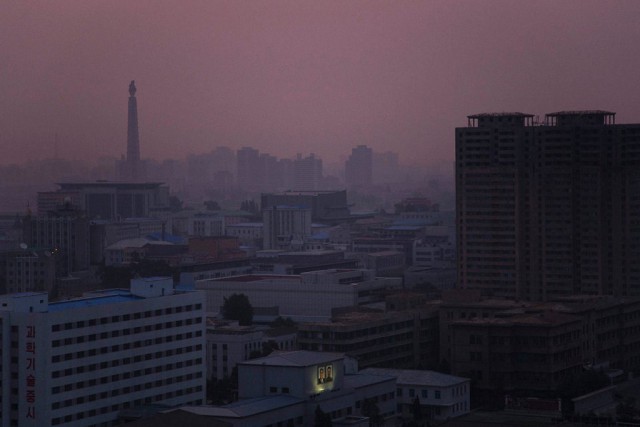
184	287
321	235
25	294
414	221
292	207
156	235
404	228
92	301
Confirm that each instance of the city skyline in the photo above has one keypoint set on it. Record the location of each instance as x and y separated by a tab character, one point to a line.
289	77
331	212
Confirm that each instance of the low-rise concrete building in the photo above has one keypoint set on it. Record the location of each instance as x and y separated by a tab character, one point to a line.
287	388
441	396
309	296
229	344
406	339
249	233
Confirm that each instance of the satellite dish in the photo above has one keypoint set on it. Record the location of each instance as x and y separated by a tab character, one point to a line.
23	246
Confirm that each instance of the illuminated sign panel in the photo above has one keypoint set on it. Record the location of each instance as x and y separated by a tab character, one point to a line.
325	374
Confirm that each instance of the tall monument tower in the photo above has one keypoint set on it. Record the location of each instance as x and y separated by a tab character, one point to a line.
133	166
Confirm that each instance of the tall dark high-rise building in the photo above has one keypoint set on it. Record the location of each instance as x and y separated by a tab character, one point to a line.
358	171
548	209
132	166
307	172
250	173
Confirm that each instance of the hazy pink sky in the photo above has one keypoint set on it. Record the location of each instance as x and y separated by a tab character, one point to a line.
302	76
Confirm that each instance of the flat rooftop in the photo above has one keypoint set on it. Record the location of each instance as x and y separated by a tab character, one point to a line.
500	114
108	184
580	113
257	278
244	408
92	301
306	192
546	318
361	379
418	377
300	358
247	225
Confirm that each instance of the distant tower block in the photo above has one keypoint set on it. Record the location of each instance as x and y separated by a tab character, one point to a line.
133	139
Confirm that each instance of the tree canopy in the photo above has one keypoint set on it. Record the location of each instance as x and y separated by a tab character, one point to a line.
322	419
237	307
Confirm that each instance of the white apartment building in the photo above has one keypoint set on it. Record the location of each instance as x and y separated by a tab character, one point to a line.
206	224
441	396
229	345
306	297
286	227
433	254
79	362
248	233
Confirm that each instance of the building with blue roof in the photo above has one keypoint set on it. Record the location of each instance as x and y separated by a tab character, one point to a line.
79	362
286	388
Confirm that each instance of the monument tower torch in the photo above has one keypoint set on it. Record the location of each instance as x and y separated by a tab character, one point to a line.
133	140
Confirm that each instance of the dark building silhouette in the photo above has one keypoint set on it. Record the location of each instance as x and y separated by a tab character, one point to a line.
326	206
64	233
358	169
548	209
307	172
250	171
112	201
132	168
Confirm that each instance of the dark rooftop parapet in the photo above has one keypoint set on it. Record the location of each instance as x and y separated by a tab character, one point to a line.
504	119
585	117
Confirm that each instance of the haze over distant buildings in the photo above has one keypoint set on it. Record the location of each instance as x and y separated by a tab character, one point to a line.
289	77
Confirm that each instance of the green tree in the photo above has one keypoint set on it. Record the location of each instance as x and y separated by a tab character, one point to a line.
212	205
416	409
370	409
237	307
626	410
249	206
578	385
321	418
175	204
280	322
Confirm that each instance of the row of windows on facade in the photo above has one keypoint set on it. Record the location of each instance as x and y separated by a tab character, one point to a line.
125	390
126	361
124	317
126	346
437	394
114	408
105	365
357	333
127	331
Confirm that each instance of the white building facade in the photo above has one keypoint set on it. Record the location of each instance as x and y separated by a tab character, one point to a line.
286	227
286	388
79	362
441	396
307	297
231	344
